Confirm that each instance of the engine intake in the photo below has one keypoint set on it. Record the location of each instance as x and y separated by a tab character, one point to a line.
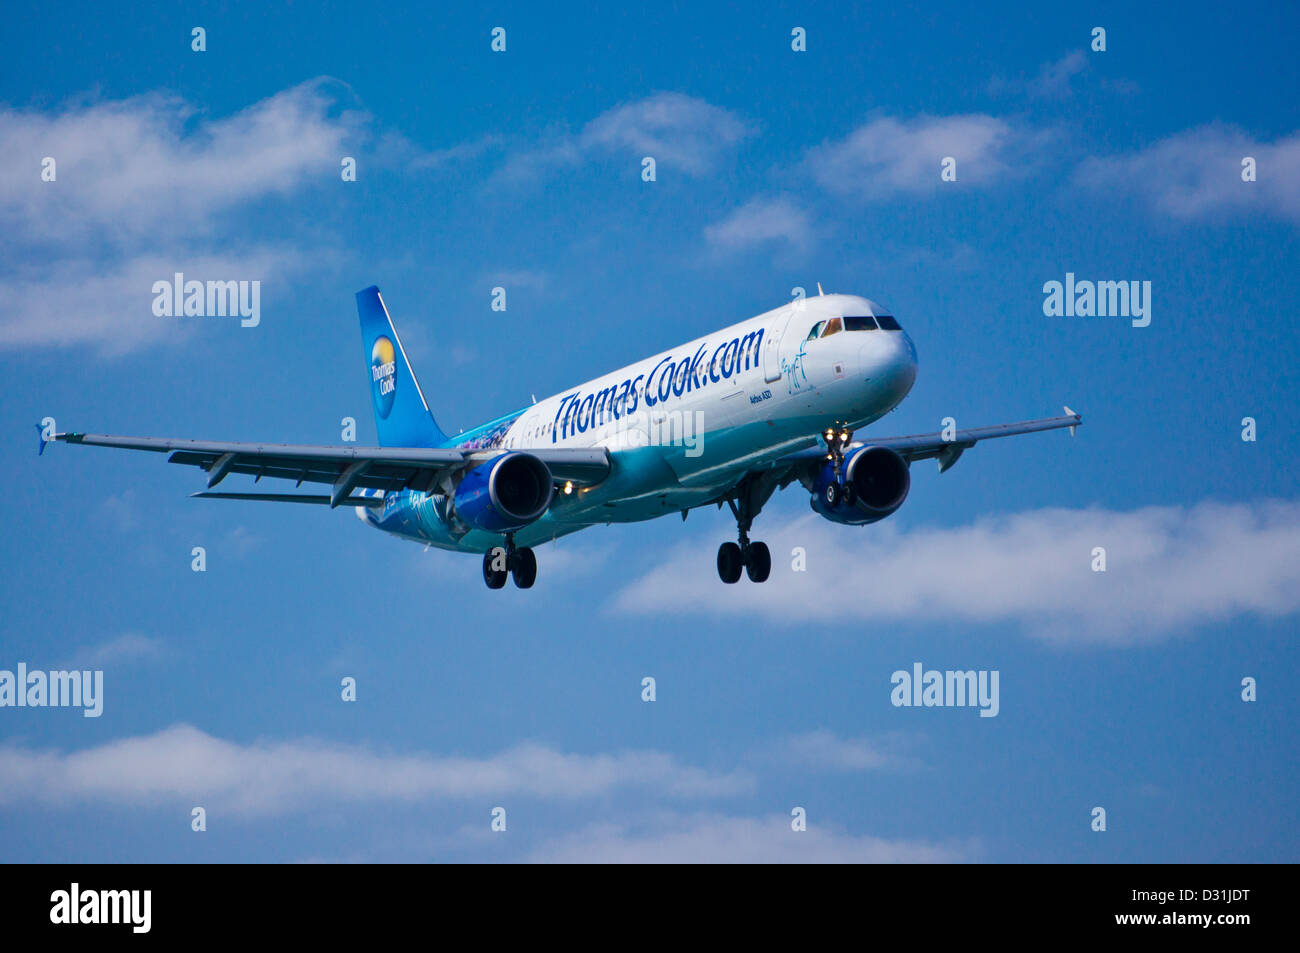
878	479
504	494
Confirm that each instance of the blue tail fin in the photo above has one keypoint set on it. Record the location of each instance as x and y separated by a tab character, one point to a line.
401	414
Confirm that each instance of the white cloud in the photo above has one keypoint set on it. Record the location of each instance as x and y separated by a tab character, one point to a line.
677	130
459	154
1197	173
827	751
122	508
760	221
708	838
271	777
1169	570
1053	80
146	187
135	167
888	156
108	305
681	132
240	540
129	647
529	279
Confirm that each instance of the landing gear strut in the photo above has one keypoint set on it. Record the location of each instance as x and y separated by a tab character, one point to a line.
838	490
753	557
519	562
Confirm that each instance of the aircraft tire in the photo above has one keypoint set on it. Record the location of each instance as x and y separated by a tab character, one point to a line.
730	563
495	578
831	495
758	562
525	568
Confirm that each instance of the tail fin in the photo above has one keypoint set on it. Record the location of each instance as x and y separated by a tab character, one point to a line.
401	414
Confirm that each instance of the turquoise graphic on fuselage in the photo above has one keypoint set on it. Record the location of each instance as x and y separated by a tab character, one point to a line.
489	436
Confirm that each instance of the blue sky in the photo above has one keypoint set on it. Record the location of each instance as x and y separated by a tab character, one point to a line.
775	169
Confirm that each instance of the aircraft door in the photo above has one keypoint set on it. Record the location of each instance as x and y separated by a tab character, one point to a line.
772	347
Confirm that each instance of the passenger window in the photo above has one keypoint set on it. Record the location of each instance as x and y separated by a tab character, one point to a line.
816	331
833	326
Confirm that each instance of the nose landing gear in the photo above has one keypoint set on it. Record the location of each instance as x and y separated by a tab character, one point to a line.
838	491
500	561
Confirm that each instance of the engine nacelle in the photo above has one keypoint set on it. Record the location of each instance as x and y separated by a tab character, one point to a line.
504	494
879	481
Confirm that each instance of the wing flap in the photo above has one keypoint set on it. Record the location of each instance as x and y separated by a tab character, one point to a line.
381	475
211	450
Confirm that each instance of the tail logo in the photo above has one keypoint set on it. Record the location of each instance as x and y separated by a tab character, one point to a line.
383	375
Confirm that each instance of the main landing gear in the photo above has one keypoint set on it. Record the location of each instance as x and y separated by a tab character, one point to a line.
838	490
753	557
519	562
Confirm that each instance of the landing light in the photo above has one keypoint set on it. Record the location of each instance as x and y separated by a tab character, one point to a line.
568	487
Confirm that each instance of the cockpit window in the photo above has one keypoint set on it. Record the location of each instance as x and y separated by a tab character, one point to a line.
862	322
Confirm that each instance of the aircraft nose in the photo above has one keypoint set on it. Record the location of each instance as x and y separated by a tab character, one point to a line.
906	364
911	354
891	366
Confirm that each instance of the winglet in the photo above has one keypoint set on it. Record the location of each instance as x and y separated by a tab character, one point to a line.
67	437
1072	414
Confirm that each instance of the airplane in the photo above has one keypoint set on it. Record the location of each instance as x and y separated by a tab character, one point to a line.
728	418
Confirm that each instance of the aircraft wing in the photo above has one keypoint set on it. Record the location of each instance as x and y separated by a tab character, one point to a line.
932	445
344	469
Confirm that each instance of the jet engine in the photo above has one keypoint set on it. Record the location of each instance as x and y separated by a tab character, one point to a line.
505	494
875	484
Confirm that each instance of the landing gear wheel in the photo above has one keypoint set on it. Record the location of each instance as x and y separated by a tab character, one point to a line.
524	569
730	562
494	577
758	562
850	495
746	499
831	495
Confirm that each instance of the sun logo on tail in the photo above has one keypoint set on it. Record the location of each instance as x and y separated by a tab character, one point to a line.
383	375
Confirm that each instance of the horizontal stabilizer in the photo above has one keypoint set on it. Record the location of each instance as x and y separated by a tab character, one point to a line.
319	498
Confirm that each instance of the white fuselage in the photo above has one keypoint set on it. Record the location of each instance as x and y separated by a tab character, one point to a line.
683	425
